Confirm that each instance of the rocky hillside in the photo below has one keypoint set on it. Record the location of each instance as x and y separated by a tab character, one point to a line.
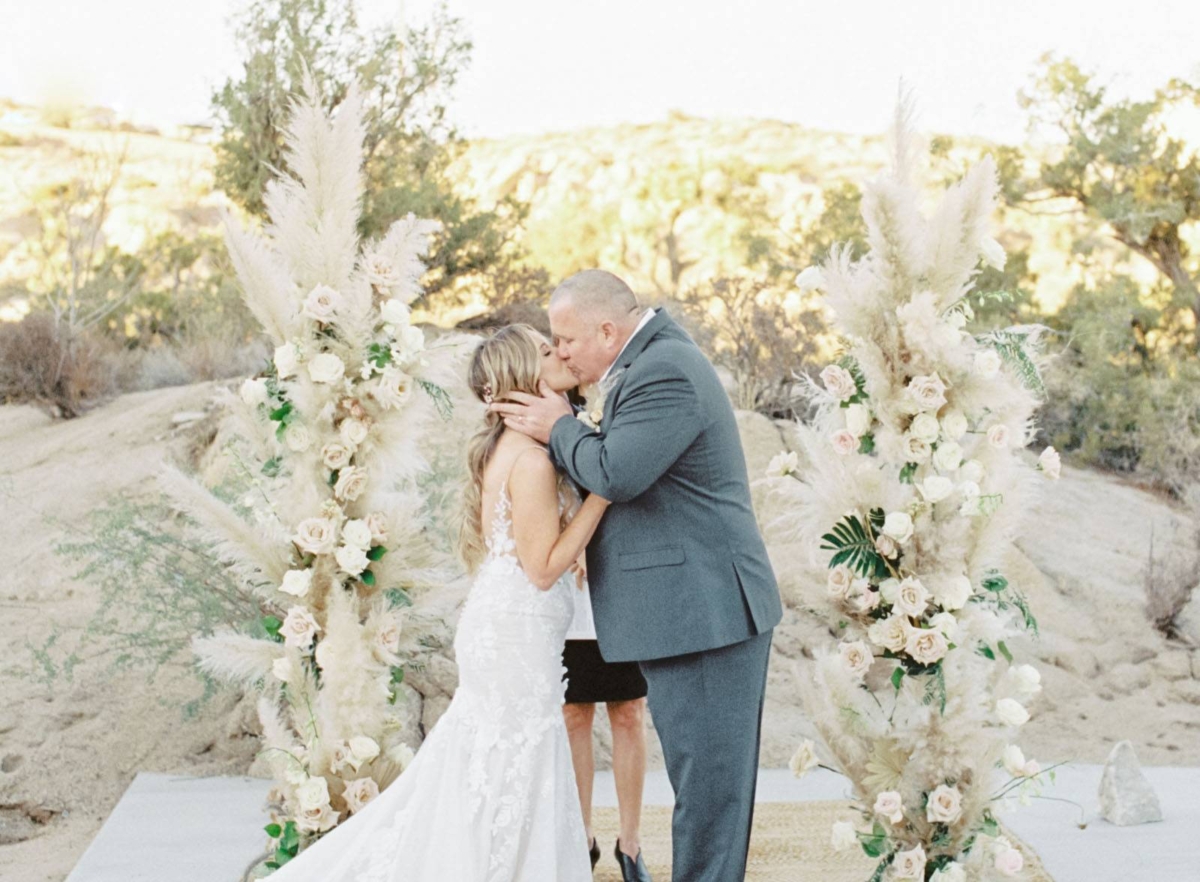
69	748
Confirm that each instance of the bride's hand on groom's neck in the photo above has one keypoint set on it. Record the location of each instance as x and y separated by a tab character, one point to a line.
533	415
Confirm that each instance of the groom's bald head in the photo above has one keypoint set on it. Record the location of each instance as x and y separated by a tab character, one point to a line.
596	296
592	314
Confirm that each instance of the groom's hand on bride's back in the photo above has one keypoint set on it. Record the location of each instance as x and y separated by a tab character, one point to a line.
533	415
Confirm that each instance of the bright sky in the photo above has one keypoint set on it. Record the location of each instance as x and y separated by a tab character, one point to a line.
562	64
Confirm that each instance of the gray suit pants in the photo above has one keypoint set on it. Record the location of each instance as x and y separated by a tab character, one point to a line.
707	707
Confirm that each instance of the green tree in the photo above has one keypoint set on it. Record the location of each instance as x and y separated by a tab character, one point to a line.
1120	165
406	81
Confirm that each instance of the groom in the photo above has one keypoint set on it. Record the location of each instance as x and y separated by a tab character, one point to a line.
679	573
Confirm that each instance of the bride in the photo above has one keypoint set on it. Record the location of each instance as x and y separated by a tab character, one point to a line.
491	796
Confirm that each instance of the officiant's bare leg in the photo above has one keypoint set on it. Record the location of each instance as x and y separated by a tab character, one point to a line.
578	718
628	719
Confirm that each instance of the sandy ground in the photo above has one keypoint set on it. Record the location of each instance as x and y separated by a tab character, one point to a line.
68	750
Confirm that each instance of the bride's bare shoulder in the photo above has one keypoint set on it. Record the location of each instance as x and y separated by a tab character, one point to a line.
518	460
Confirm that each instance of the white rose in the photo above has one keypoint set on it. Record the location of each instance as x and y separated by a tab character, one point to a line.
1009	861
1026	679
410	342
915	450
401	754
948	456
254	392
909	864
394	388
952	593
316	535
297	438
839	382
972	505
926	393
336	456
899	526
926	646
888	589
287	359
353	432
839	581
864	599
783	464
282	669
352	559
388	636
326	368
946	623
299	628
844	836
803	759
378	523
911	598
997	436
987	363
313	793
810	279
889	805
357	533
359	792
1050	464
321	303
351	482
972	470
935	488
394	312
951	872
316	820
890	633
925	427
858	419
296	582
944	806
1011	712
954	425
992	253
844	442
380	272
363	748
1014	761
886	546
856	657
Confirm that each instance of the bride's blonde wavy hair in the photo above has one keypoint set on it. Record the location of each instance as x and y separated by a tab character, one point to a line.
508	361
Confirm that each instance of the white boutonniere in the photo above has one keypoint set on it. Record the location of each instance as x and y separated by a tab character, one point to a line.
593	404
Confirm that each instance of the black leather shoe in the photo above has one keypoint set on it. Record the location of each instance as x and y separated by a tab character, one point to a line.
594	853
632	869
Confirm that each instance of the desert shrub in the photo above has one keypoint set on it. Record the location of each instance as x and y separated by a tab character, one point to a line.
43	363
765	337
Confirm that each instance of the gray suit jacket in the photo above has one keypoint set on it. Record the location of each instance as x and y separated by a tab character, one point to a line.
677	565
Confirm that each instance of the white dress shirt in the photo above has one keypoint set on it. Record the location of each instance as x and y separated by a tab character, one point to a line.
583	627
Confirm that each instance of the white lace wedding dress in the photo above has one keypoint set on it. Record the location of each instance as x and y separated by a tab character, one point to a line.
490	796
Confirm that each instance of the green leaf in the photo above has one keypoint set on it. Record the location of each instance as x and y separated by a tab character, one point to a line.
271	467
441	398
333	476
897	678
376	553
367	577
995	582
906	473
1008	656
1014	347
281	413
272	624
273	830
398	598
866	444
986	651
290	841
853	545
380	354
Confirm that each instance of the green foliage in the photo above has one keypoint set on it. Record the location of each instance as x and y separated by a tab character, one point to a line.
287	845
853	544
158	588
406	84
1014	345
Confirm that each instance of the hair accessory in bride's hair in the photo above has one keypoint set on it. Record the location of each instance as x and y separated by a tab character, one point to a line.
487	393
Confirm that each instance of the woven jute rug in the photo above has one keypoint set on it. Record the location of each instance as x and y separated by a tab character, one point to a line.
790	843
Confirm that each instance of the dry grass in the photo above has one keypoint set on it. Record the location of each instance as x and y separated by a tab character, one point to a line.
1170	583
41	363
